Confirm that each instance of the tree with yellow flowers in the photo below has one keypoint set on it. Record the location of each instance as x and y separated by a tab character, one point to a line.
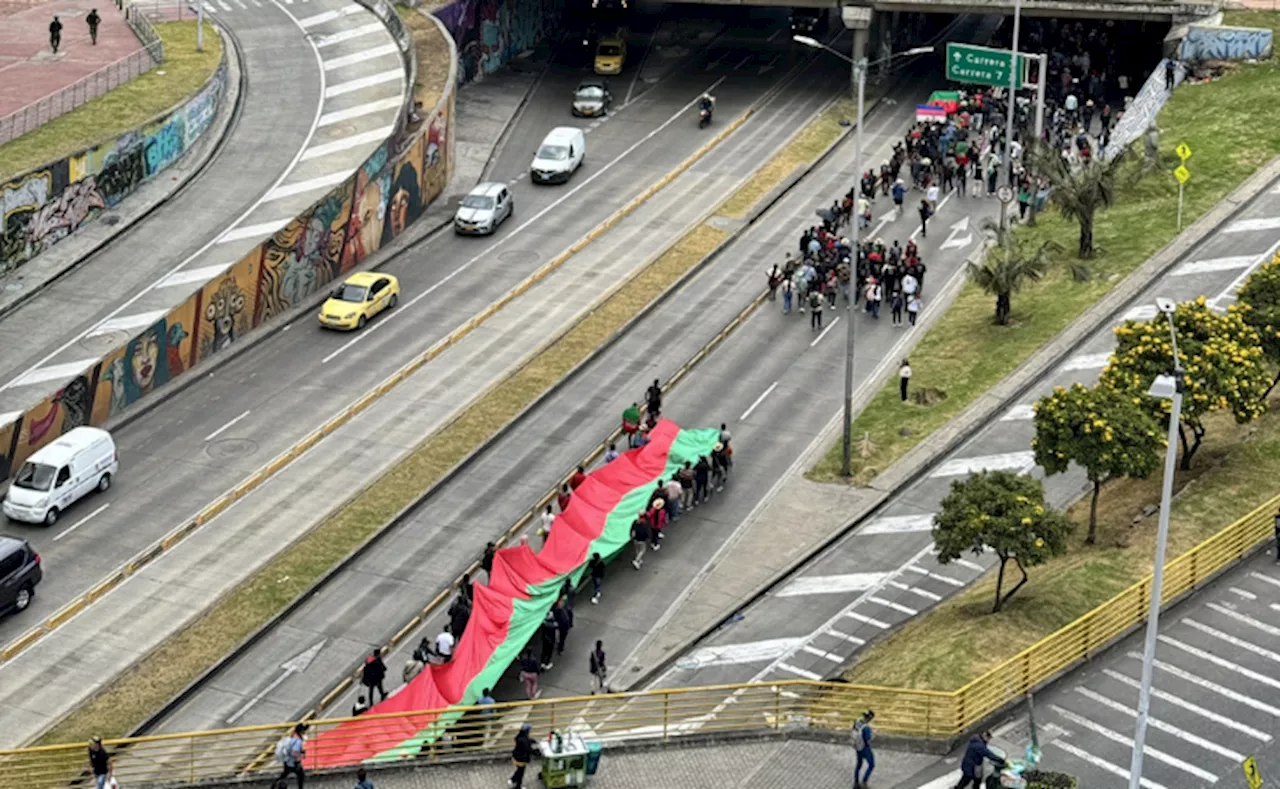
1006	513
1222	361
1100	430
1259	300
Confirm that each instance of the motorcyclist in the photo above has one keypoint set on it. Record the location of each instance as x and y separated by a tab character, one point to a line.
707	103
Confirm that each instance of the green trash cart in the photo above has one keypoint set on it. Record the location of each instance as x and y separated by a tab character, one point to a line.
564	761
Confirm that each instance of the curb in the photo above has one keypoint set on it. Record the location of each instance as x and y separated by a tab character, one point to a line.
924	456
227	122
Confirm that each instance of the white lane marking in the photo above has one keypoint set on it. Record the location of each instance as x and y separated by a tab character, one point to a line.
209	244
915	590
360	110
1249	225
1270	630
857	617
361	57
1265	579
343	88
1019	413
1007	461
1115	736
191	276
943	781
1238	592
899	524
1247	646
895	606
487	253
977	568
372	137
1211	686
209	8
1167	728
347	35
1143	312
743	62
309	185
778	32
1209	657
259	230
799	672
823	333
1178	701
1088	361
224	5
750	652
1228	293
831	631
758	401
812	650
127	322
38	375
1103	764
81	522
328	16
830	584
935	576
220	430
1212	265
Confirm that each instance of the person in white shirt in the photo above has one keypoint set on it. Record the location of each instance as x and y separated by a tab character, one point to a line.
904	378
909	286
548	518
931	194
444	645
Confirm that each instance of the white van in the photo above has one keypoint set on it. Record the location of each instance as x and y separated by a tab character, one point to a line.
559	155
60	474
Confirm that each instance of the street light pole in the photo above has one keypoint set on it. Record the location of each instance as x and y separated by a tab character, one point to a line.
1164	386
1008	126
846	456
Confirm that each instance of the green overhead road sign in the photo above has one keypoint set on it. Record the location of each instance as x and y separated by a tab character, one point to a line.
982	65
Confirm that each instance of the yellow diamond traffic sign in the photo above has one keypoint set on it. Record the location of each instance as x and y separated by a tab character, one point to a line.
1183	150
1182	174
1251	773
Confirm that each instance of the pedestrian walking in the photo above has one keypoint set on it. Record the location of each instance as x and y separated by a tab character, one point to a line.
93	20
290	752
787	291
360	707
925	213
373	674
653	397
563	497
904	379
362	779
674	492
657	520
974	755
899	196
599	671
444	645
611	454
862	750
913	309
55	34
579	476
931	196
101	763
701	481
631	424
897	304
596	567
488	715
521	755
486	561
564	623
815	310
529	671
548	517
1170	72
548	650
685	476
774	278
639	539
412	668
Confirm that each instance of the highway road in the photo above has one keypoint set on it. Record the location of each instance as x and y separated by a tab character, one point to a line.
325	83
197	445
884	573
800	372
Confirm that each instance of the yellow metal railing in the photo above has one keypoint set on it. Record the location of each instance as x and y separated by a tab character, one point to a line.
663	715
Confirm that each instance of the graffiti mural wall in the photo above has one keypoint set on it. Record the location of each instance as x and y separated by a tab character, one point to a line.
44	206
489	33
1203	42
370	209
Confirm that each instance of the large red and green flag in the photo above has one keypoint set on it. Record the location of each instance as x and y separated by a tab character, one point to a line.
509	609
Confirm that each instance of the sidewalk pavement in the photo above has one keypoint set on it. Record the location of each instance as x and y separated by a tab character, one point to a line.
30	71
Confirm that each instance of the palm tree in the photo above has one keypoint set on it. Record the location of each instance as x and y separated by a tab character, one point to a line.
1006	268
1078	191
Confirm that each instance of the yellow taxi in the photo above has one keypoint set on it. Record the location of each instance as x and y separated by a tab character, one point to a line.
611	53
363	295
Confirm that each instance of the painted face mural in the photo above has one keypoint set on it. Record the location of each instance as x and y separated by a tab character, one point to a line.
76	400
221	313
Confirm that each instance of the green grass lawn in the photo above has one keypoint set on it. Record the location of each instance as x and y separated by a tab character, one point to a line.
960	640
182	74
965	354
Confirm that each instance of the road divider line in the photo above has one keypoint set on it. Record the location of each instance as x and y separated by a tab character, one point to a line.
758	401
81	522
823	333
220	430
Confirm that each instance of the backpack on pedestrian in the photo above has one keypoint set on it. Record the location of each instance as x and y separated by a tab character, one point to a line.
284	749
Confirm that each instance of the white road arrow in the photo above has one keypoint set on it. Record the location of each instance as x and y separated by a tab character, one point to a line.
294	665
766	68
953	238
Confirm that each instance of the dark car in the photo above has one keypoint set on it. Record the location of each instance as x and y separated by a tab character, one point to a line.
592	98
809	21
19	573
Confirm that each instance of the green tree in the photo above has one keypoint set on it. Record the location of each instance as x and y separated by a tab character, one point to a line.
1006	267
1006	513
1259	300
1222	360
1102	431
1079	191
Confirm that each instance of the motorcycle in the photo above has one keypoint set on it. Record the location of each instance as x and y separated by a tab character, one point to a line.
704	118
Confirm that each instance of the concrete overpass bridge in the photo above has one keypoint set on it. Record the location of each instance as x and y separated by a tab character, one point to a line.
1172	11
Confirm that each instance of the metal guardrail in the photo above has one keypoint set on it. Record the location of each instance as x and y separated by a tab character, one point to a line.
660	716
142	28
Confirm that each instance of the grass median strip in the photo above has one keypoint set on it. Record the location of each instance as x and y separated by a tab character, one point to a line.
182	74
960	639
965	354
130	698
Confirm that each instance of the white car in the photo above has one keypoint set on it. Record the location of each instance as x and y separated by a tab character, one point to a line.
484	209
